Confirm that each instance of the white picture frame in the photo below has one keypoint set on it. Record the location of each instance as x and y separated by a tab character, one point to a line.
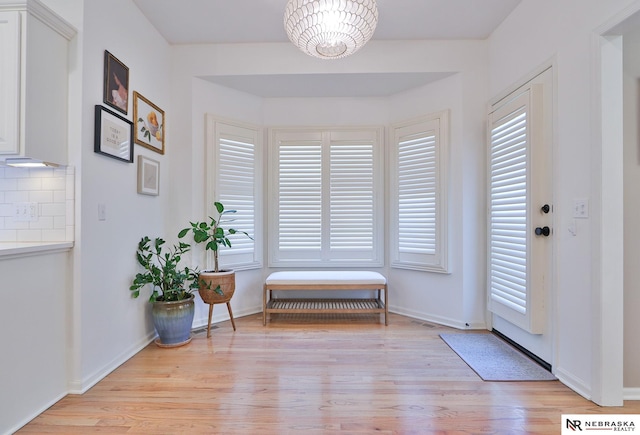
148	176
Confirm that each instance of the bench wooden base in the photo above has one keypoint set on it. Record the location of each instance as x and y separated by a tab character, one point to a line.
325	280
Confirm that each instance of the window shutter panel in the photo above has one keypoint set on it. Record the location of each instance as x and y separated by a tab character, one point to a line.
327	200
351	195
235	168
417	193
418	190
236	178
299	193
508	210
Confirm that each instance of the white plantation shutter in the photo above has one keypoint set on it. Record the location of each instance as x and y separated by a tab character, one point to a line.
512	128
508	203
418	191
300	196
234	172
351	196
327	198
236	185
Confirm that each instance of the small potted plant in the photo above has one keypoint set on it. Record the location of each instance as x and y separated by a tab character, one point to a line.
171	289
215	286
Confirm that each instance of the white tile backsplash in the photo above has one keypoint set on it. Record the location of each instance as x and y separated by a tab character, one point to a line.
52	189
8	184
6	210
42	196
30	184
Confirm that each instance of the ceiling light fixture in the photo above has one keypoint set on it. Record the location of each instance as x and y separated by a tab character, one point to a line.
330	29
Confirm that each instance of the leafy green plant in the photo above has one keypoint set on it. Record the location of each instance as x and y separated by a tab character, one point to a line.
168	280
213	233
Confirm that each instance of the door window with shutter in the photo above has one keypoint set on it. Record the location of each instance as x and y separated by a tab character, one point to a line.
327	197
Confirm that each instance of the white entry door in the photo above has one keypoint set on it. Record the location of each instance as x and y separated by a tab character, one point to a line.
520	230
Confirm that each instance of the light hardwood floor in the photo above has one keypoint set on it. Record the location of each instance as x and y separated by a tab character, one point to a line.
300	374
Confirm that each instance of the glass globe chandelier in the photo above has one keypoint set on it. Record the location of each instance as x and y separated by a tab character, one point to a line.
330	29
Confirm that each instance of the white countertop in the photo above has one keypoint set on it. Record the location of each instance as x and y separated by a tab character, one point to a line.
11	249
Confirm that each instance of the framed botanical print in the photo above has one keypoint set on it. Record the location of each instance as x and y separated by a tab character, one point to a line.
149	122
116	83
113	135
148	176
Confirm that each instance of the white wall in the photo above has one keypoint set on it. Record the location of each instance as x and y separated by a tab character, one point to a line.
110	326
454	299
631	43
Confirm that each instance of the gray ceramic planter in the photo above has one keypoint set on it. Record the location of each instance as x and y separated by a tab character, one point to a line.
173	321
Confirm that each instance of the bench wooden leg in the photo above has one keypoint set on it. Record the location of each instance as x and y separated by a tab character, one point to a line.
264	305
386	305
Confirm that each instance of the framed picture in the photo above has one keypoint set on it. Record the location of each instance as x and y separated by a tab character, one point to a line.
113	135
150	123
116	83
148	176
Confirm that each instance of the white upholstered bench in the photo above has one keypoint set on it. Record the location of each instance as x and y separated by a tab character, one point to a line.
325	280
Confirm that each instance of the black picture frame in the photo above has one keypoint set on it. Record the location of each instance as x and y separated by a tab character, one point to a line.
113	135
116	83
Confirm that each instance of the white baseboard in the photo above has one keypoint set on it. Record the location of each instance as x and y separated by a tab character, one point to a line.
34	414
572	382
444	321
581	388
222	315
631	393
82	385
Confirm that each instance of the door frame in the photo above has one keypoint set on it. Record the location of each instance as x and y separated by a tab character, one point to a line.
607	355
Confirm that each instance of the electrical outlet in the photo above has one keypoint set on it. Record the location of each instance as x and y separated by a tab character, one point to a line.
25	212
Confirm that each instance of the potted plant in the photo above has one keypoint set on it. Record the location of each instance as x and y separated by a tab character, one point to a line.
171	289
215	286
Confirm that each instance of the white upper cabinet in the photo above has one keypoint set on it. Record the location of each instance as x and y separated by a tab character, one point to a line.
9	82
34	44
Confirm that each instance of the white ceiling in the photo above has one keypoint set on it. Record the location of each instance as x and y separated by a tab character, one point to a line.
246	21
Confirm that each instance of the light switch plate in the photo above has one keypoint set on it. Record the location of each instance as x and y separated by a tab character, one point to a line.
102	212
581	208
